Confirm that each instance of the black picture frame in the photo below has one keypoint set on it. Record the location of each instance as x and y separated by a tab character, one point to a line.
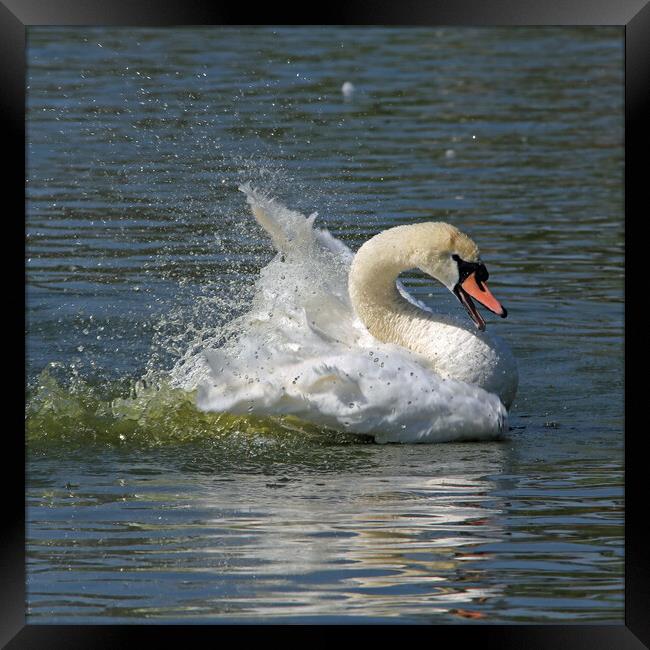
16	15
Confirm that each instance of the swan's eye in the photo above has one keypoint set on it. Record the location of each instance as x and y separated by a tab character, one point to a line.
465	269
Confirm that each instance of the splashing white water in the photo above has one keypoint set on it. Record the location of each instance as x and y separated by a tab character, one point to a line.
300	350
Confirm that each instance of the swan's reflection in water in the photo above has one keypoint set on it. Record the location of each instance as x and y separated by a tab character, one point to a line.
301	533
360	542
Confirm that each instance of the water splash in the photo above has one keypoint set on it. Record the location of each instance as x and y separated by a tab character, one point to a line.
145	415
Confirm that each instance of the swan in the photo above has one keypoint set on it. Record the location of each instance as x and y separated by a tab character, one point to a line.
333	338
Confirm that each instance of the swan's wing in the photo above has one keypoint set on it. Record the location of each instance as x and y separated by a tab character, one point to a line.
308	282
290	230
284	226
300	306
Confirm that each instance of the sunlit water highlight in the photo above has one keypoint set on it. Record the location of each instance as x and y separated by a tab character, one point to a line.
141	250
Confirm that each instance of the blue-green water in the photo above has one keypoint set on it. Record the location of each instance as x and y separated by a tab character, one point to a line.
139	245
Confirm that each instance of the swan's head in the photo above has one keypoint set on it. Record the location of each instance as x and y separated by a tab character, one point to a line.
453	258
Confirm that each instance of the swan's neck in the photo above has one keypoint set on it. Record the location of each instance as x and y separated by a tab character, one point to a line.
372	282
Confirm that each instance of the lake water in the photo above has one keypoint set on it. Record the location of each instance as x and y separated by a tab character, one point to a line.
140	507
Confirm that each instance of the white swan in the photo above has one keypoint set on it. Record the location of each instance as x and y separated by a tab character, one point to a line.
334	339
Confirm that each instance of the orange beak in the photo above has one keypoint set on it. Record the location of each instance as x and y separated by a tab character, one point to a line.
479	291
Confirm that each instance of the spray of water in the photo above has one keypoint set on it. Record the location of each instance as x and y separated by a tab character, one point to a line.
81	400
